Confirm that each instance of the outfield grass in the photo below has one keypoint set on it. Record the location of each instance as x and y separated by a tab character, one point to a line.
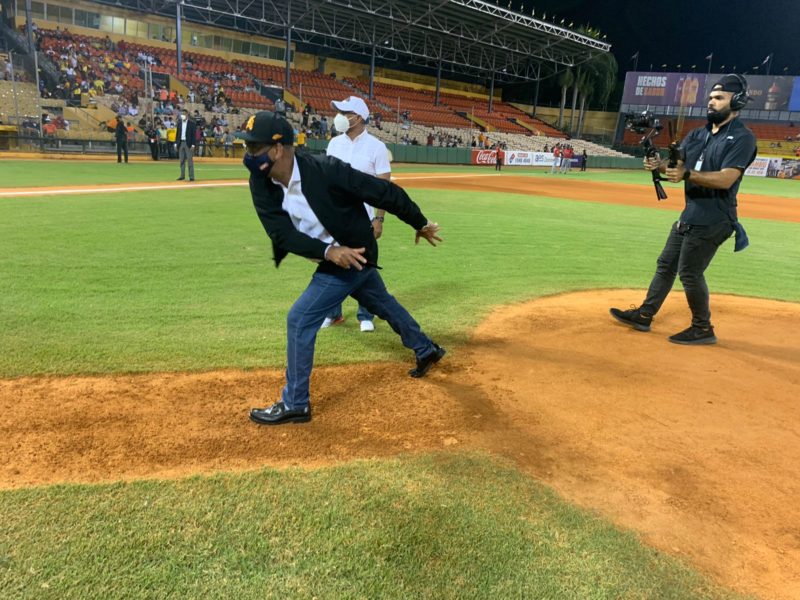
184	281
435	527
33	173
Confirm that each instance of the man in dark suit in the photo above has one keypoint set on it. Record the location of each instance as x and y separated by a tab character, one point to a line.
185	139
313	206
121	137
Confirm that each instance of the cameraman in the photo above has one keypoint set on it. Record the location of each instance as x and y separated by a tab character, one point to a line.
718	154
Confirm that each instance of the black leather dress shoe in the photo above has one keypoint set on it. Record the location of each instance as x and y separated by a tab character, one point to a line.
426	362
181	178
278	414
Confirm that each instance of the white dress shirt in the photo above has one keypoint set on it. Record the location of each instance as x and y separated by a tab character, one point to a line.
365	153
303	218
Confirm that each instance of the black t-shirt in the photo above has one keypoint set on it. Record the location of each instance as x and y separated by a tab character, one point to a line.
733	146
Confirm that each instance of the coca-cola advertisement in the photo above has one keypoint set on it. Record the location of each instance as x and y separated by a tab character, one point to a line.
484	157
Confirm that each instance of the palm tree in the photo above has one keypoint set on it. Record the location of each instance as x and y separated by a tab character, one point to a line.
586	89
599	80
575	85
564	80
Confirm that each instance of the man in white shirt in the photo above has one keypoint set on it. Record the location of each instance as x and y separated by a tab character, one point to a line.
368	154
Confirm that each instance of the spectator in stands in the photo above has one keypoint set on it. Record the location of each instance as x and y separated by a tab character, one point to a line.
185	141
280	107
306	114
121	137
227	141
364	152
430	139
301	139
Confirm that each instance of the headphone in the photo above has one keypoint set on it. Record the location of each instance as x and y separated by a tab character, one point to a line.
740	99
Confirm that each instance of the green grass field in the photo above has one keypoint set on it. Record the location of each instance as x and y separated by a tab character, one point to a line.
183	280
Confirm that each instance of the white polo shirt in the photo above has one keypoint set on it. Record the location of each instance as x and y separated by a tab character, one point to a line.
366	153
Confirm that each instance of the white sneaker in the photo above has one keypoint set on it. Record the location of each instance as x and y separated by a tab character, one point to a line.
367	326
328	322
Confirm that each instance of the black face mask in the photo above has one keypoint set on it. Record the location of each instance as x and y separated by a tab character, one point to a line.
254	163
716	117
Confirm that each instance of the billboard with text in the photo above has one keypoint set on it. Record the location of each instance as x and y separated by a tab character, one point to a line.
768	92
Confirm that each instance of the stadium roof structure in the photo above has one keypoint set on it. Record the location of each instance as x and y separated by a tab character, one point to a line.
472	38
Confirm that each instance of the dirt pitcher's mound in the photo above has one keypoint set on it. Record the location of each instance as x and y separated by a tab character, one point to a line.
697	448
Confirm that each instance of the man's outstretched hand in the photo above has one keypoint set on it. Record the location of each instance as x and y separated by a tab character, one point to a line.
430	233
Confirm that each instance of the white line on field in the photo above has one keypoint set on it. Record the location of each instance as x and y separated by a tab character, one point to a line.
138	188
190	186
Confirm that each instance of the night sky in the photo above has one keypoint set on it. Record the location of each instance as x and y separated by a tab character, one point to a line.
685	32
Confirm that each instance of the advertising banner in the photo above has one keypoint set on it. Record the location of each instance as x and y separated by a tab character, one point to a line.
665	89
758	168
789	169
794	101
768	92
519	158
483	157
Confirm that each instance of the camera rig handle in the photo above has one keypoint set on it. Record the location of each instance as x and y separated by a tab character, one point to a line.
650	151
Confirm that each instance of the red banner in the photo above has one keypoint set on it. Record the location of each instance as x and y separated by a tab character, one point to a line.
483	157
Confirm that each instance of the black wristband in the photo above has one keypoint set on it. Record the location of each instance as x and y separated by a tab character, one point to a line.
686	174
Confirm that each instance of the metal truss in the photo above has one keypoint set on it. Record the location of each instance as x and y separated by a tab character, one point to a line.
471	38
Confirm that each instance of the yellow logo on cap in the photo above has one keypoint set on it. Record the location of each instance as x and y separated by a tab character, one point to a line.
277	137
250	122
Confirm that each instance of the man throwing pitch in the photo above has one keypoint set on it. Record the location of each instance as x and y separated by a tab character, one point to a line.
313	206
714	160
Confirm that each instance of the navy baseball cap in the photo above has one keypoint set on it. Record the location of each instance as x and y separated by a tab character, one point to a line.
267	127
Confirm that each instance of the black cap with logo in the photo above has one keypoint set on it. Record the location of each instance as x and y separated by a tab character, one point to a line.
267	127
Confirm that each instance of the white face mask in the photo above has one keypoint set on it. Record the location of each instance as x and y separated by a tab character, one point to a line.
341	123
183	117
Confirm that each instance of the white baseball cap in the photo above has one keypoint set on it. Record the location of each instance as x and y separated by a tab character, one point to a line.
352	104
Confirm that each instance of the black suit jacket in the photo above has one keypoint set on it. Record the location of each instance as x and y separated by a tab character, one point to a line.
120	132
336	193
191	132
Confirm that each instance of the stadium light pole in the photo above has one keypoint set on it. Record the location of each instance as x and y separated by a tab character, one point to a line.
438	81
29	24
372	74
14	90
288	78
178	37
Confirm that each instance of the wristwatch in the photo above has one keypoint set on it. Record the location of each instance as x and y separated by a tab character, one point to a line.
686	174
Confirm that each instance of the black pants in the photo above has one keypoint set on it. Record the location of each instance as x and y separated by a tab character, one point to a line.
154	149
687	253
122	146
498	165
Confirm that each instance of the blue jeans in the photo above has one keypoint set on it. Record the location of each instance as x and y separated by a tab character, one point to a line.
362	314
325	292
